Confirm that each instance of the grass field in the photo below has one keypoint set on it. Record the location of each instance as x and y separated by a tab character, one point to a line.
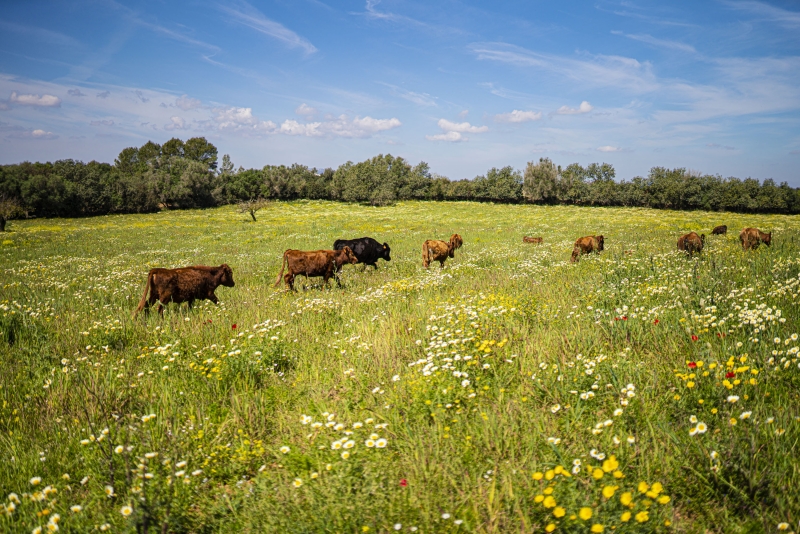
636	391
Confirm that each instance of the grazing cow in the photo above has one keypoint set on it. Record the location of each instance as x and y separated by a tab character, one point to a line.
186	284
587	245
719	230
752	237
456	240
324	263
367	250
691	243
534	240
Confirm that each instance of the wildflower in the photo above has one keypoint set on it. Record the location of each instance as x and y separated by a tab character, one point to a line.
732	398
549	501
626	498
664	499
631	440
608	491
597	527
783	526
314	475
559	511
369	443
611	464
345	455
285	449
701	428
349	444
617	412
196	472
403	483
730	374
642	517
555	408
694	337
233	326
745	415
692	365
445	516
110	491
126	511
626	516
35	481
381	443
297	483
305	419
118	449
585	513
398	526
550	527
76	508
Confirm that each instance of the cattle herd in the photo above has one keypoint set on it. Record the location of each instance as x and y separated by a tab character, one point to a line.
188	284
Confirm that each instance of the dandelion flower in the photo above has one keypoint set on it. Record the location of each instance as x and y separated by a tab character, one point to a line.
585	513
126	511
559	511
626	516
597	527
550	527
549	501
626	499
608	491
642	517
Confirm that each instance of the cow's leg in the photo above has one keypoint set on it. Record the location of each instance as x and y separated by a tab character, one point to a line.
289	279
190	302
213	298
375	265
363	267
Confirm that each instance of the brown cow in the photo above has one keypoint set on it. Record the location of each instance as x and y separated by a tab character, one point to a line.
534	240
324	263
186	284
691	243
752	237
720	230
456	240
586	245
435	250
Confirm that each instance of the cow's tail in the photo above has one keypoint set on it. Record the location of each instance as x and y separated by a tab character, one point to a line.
283	266
425	259
144	295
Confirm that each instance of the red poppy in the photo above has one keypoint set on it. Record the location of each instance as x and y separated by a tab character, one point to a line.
655	322
730	374
404	483
208	321
624	317
616	318
692	365
694	337
233	326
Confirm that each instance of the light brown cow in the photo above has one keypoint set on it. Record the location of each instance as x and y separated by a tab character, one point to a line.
435	250
324	263
587	245
534	240
752	237
691	243
186	284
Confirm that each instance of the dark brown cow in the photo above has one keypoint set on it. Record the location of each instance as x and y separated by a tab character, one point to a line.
534	240
186	284
720	230
691	243
752	237
587	245
324	263
456	241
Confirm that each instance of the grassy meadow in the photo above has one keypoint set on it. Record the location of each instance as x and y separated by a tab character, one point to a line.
636	391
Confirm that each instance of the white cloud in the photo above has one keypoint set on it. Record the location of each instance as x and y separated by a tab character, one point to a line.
585	107
463	127
186	103
241	119
463	114
252	18
35	100
176	123
34	134
339	127
609	148
663	43
305	110
517	116
449	136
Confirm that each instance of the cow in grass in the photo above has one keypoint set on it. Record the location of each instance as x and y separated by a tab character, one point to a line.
534	240
435	250
587	245
752	237
367	250
720	230
691	243
324	263
186	284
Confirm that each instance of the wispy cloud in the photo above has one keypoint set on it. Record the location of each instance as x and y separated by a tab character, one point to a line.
421	99
34	134
517	116
655	41
585	107
103	122
449	136
718	146
341	126
40	34
767	12
47	101
609	148
305	110
187	103
249	16
596	70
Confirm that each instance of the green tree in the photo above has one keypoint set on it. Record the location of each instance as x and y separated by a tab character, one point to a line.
200	150
540	181
9	209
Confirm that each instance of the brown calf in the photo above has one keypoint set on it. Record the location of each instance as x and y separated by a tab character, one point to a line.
691	243
186	284
534	240
435	250
587	245
720	230
752	237
324	263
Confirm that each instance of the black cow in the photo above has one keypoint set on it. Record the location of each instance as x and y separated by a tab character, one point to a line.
367	250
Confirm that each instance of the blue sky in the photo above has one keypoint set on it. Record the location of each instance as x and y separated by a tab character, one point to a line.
465	86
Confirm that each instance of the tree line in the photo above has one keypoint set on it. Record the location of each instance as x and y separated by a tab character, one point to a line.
188	174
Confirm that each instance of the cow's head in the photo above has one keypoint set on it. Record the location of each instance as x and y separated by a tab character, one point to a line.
385	250
349	257
456	241
226	276
600	241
